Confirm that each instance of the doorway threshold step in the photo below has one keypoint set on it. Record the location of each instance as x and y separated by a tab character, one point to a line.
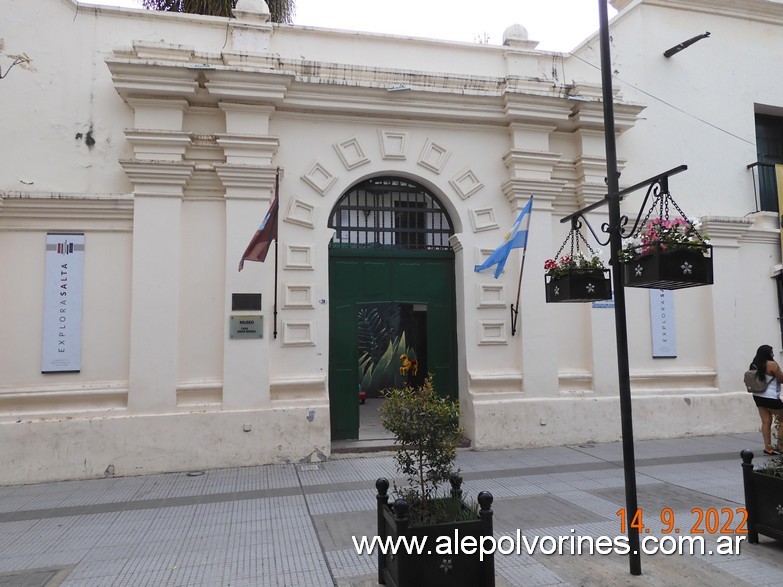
354	446
376	445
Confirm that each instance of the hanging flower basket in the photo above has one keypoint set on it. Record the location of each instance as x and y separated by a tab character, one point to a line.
579	285
576	277
667	254
670	269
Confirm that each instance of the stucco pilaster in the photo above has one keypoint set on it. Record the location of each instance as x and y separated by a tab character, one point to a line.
538	344
160	114
155	295
531	165
724	235
246	365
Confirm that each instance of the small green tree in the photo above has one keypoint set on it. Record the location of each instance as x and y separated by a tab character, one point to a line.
426	429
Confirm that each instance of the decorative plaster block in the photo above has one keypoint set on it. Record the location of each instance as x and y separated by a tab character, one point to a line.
465	183
433	156
298	296
491	295
319	178
298	333
483	219
300	213
299	257
492	332
394	145
351	153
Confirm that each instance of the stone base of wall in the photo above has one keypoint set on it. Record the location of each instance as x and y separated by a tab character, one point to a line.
533	422
49	449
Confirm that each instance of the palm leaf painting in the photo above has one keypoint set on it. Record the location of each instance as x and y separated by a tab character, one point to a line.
381	344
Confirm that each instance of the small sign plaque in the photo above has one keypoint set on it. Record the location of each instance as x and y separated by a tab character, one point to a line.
662	324
246	327
247	302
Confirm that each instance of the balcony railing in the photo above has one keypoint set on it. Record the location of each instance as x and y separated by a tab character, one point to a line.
765	186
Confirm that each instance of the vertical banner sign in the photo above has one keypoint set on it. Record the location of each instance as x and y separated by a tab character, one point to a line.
779	178
62	317
664	333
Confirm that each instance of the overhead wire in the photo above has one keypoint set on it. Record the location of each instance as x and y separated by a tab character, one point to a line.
669	104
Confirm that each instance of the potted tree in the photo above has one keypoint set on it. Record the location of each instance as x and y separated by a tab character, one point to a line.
427	432
763	497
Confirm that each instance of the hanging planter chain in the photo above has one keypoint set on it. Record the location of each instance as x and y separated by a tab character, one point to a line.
662	204
574	236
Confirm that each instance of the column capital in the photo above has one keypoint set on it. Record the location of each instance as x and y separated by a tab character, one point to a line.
158	145
521	189
248	149
245	181
165	179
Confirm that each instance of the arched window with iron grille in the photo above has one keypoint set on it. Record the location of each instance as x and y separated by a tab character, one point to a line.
390	212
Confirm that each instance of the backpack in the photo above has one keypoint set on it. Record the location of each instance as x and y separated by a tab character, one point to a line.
752	383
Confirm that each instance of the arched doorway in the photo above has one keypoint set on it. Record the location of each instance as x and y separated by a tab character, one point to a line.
392	295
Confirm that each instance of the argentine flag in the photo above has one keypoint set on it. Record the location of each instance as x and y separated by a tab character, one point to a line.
516	238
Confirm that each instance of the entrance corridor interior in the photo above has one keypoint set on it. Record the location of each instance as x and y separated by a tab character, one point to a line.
372	436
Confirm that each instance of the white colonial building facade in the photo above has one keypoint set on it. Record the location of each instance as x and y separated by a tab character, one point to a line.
140	154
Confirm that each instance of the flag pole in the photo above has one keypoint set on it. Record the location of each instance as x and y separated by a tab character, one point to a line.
515	311
274	308
274	311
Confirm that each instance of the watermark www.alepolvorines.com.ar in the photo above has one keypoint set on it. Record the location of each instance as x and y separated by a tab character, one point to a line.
572	544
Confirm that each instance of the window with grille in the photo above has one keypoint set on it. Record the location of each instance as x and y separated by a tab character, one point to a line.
390	212
769	148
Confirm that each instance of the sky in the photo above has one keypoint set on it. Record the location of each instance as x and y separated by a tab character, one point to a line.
558	25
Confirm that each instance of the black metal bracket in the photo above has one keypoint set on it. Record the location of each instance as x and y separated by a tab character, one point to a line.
656	185
685	44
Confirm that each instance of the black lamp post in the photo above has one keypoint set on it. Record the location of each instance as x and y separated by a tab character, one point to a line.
621	330
664	279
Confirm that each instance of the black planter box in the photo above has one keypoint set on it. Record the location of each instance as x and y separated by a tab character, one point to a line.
763	500
430	568
675	269
579	286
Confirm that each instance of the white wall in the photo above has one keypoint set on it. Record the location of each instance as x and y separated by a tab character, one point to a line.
189	128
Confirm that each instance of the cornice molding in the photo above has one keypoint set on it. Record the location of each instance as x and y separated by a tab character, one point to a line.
725	231
336	88
758	10
54	211
133	79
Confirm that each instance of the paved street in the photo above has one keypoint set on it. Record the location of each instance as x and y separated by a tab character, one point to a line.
291	524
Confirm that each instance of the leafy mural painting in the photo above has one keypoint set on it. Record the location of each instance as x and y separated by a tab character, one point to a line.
385	356
378	324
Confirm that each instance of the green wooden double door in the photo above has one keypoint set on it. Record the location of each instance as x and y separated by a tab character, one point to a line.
391	321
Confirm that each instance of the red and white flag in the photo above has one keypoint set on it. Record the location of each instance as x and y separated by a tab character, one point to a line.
266	233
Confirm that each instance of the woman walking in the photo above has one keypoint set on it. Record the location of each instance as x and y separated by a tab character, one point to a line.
768	401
